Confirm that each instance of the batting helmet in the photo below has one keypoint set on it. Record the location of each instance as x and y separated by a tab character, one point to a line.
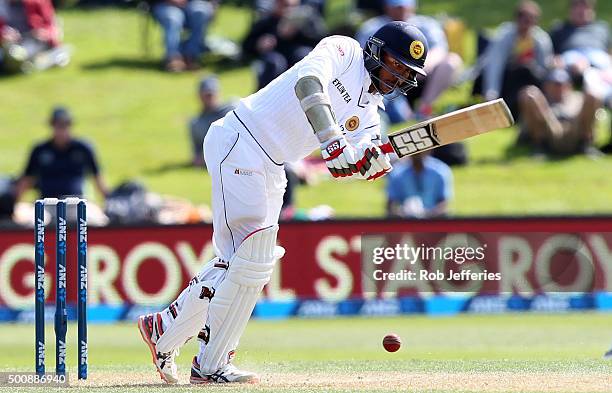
405	43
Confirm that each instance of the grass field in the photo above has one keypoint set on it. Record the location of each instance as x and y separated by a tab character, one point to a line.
136	116
506	353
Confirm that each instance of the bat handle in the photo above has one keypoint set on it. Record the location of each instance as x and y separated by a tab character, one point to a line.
386	148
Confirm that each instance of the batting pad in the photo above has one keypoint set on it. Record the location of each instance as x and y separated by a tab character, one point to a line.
192	305
249	271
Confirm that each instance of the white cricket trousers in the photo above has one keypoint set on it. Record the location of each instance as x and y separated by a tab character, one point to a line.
247	186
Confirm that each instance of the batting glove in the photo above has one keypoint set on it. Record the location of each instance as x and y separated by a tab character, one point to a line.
339	157
374	163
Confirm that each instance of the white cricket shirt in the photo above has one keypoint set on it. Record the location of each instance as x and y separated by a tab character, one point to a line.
273	115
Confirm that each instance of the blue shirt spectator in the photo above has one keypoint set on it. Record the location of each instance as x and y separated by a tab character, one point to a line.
419	188
58	167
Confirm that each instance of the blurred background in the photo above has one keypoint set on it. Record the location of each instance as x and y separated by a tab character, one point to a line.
139	91
110	100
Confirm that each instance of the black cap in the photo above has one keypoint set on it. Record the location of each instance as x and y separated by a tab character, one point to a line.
61	114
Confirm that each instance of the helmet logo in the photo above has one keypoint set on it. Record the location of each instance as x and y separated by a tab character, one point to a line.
352	123
417	49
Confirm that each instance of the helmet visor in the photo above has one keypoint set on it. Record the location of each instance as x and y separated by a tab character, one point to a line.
402	60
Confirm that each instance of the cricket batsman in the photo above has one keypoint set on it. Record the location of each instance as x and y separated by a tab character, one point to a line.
327	101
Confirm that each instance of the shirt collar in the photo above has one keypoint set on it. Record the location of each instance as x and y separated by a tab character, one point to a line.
367	97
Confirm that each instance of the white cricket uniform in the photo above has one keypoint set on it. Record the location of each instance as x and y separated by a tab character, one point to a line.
244	154
245	150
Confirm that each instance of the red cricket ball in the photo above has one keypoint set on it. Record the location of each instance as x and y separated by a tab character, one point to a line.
392	342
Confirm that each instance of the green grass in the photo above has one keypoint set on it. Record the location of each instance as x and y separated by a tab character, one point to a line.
533	346
136	116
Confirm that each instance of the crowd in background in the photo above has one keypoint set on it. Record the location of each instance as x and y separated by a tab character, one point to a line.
553	81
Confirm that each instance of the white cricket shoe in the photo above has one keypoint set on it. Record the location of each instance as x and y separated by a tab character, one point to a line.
226	374
151	329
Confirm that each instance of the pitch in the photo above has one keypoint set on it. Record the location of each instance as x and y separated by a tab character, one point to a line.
504	353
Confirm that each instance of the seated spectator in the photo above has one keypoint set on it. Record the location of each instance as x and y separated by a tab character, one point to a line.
57	167
419	188
518	56
558	120
176	15
582	42
212	110
282	38
582	45
440	66
29	37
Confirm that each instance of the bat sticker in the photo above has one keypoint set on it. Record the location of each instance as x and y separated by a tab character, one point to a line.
416	139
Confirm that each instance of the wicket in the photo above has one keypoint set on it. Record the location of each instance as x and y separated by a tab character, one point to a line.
61	315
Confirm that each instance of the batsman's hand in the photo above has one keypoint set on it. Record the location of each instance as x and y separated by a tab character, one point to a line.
372	162
339	157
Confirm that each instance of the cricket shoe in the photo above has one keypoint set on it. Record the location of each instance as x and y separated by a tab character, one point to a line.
151	329
608	355
226	374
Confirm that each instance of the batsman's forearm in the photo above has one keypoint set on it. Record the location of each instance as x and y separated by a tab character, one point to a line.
317	107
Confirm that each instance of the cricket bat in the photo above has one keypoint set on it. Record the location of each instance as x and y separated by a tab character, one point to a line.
451	127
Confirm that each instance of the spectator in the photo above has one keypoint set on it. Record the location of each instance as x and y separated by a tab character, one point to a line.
58	166
212	110
583	46
582	42
420	188
559	120
283	38
440	66
173	16
519	55
27	32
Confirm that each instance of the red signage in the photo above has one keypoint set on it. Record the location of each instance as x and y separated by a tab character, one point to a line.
150	265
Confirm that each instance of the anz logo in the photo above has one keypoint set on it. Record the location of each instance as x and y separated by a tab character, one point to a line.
61	278
62	229
82	230
40	230
82	278
415	140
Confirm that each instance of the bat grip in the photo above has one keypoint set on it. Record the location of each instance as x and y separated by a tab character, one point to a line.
386	148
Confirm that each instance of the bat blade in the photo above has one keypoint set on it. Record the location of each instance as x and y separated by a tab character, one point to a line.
451	127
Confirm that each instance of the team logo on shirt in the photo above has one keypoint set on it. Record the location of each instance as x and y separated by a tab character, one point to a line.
417	49
352	123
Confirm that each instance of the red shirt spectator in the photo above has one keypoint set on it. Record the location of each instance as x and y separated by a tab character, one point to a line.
40	16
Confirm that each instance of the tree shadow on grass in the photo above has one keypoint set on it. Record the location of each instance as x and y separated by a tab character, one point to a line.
6	75
220	65
212	63
125	62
